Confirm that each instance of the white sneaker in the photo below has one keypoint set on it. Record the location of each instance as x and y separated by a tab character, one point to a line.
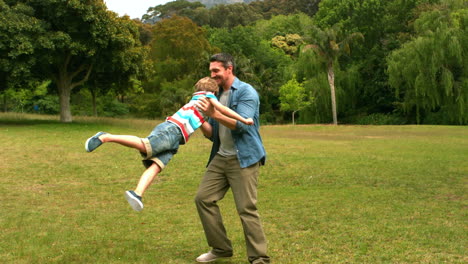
207	257
134	200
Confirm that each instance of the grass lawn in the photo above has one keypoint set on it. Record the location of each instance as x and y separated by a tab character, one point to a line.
328	194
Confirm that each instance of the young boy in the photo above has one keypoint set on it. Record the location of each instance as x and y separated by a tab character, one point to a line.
163	142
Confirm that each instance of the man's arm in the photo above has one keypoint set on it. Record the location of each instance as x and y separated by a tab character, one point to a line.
229	112
211	111
207	129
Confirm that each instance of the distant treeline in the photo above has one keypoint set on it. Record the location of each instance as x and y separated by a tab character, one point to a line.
312	61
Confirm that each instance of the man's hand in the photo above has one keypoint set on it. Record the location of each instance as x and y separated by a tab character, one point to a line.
206	106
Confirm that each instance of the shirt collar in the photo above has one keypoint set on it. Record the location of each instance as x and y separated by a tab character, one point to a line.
235	84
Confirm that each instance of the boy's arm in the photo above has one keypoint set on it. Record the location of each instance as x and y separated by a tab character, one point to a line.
229	112
207	129
210	111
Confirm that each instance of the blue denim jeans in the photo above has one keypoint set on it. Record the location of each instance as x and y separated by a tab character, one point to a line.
161	144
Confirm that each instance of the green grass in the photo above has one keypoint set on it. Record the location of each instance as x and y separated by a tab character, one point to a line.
345	194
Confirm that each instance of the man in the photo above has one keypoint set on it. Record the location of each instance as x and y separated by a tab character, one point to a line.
235	158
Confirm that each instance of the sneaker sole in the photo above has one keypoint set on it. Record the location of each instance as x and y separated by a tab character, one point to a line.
87	141
136	204
210	260
86	144
206	261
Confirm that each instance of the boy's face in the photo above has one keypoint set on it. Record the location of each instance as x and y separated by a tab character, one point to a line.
219	73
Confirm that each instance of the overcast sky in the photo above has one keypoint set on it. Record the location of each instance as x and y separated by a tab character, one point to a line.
133	8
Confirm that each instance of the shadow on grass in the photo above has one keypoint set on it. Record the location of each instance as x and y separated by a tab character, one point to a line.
27	122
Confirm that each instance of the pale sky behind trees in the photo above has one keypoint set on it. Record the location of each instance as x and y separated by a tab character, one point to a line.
133	8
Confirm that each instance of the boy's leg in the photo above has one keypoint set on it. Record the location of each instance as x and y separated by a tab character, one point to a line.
134	197
124	140
147	178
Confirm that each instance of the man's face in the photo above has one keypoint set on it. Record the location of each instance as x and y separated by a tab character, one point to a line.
219	73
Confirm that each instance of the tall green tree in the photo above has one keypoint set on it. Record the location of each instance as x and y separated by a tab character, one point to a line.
179	55
293	97
172	8
179	48
282	25
430	72
232	15
79	36
329	44
21	34
271	8
386	25
257	62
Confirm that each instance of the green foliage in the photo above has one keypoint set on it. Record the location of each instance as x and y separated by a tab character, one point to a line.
282	25
21	34
385	26
179	48
175	94
430	72
66	40
229	16
289	44
166	101
310	69
47	104
32	98
328	46
172	8
179	54
272	8
91	48
219	15
293	97
380	119
256	63
106	106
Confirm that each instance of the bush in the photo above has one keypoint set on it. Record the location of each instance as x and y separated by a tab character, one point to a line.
106	105
380	119
442	117
113	108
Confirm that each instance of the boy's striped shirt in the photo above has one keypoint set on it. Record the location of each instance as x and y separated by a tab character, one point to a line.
189	118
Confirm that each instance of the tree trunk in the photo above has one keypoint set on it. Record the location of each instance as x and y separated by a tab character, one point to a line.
294	112
64	95
93	99
331	82
4	102
65	84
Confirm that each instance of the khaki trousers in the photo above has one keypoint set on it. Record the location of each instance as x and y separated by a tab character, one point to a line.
222	173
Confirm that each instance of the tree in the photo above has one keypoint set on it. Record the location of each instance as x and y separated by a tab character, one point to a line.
293	97
232	15
430	72
179	53
21	34
179	48
78	37
386	25
289	44
270	8
129	61
282	25
257	63
329	45
170	9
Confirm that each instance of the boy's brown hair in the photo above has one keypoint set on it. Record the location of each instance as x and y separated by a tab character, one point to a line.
207	84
